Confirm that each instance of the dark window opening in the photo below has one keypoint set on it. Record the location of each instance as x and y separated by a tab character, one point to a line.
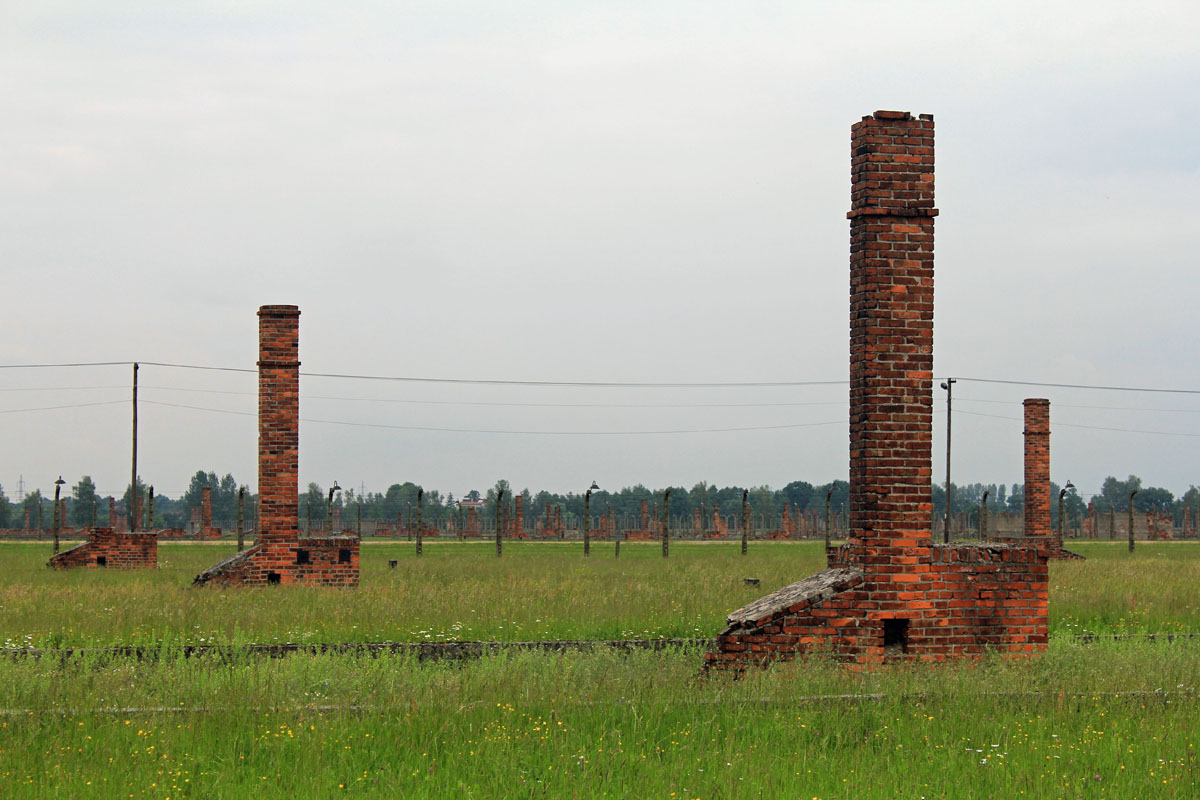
344	556
272	578
302	557
101	561
895	636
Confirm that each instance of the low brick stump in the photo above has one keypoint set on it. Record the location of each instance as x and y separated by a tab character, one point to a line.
325	561
108	548
959	600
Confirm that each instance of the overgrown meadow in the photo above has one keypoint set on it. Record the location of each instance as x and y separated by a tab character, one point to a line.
1115	718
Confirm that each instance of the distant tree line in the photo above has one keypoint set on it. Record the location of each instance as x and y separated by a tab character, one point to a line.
83	501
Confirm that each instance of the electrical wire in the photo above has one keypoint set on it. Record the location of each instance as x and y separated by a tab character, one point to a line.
1058	424
521	433
1080	386
55	408
1075	405
513	405
497	382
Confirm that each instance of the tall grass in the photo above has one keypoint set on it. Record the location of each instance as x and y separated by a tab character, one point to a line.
1112	719
460	592
599	725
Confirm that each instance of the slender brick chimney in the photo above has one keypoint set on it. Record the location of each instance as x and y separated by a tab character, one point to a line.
1037	467
205	509
278	425
891	338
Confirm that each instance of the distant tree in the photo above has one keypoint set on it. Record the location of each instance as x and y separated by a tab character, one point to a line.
85	500
1154	498
797	493
127	500
762	501
1016	498
1116	492
5	509
32	502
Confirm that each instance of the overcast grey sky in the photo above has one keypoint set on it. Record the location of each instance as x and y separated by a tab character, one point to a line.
623	192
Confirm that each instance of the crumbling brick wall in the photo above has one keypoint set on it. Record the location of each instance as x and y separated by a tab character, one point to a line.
108	548
890	593
280	555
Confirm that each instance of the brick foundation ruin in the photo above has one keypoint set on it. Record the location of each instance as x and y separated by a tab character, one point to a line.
280	555
890	593
108	548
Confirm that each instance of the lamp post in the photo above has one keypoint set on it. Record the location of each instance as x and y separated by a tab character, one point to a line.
828	503
666	523
420	525
329	505
58	484
499	520
983	512
949	387
587	519
1131	494
1061	494
241	518
745	519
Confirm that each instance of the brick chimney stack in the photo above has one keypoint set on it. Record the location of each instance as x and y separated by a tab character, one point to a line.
1037	467
891	337
278	424
205	509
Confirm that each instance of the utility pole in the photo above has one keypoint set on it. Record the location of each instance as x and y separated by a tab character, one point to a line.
949	387
134	494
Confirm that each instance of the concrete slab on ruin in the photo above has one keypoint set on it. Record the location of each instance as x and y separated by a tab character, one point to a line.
812	591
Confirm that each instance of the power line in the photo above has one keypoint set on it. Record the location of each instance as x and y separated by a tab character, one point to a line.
1095	408
60	388
522	433
513	405
1081	386
55	408
497	382
1057	424
590	384
75	364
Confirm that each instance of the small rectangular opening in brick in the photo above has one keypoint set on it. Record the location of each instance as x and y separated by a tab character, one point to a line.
272	578
895	636
344	555
302	557
101	561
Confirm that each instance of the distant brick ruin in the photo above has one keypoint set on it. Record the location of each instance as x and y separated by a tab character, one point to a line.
108	548
890	593
280	556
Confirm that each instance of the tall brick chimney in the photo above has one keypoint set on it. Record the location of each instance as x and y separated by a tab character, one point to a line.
891	338
281	556
278	425
1037	467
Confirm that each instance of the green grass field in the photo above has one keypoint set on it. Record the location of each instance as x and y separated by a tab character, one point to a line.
1113	719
